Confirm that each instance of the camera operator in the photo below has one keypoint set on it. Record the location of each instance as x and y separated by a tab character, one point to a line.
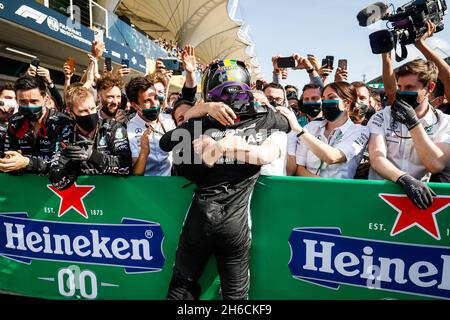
217	221
437	98
408	139
33	131
92	146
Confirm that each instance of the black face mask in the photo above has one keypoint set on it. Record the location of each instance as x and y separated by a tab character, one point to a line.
151	114
410	97
273	104
87	123
331	111
32	113
312	109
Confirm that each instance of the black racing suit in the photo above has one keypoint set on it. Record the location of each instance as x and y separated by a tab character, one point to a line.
3	130
38	148
111	155
218	220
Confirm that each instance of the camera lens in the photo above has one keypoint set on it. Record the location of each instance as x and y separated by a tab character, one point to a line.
382	41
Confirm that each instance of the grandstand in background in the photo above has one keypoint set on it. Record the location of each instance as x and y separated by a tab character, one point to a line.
53	30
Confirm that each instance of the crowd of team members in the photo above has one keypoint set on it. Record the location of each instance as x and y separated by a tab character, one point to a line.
338	130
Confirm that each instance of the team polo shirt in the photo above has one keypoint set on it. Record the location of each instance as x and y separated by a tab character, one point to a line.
159	162
350	138
399	144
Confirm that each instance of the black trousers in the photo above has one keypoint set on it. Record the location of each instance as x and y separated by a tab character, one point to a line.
219	229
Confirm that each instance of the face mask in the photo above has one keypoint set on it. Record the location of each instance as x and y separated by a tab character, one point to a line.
410	97
312	109
151	114
11	104
87	123
302	120
32	113
331	110
273	104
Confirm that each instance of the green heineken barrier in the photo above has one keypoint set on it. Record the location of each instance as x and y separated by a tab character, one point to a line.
115	238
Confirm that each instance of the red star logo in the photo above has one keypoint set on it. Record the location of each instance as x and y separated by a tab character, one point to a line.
409	215
72	197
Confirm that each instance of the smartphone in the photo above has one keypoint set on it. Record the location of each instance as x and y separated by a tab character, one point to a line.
310	56
126	62
108	63
324	62
171	64
286	62
71	62
342	63
36	63
330	61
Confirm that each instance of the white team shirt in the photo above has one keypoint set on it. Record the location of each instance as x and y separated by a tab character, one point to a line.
350	138
278	166
401	152
159	162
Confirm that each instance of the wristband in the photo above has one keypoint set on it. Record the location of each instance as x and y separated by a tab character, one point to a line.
301	133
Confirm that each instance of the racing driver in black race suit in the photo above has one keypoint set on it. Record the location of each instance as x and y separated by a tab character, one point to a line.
218	219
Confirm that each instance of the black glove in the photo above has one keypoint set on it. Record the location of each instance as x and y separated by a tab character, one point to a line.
417	191
402	112
78	153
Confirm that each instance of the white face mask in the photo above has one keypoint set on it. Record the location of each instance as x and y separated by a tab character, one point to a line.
11	103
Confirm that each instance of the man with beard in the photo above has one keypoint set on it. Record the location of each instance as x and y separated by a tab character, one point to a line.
109	91
93	146
32	131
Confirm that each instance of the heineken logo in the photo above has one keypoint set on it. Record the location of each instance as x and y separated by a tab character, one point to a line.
135	245
324	257
72	198
409	215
